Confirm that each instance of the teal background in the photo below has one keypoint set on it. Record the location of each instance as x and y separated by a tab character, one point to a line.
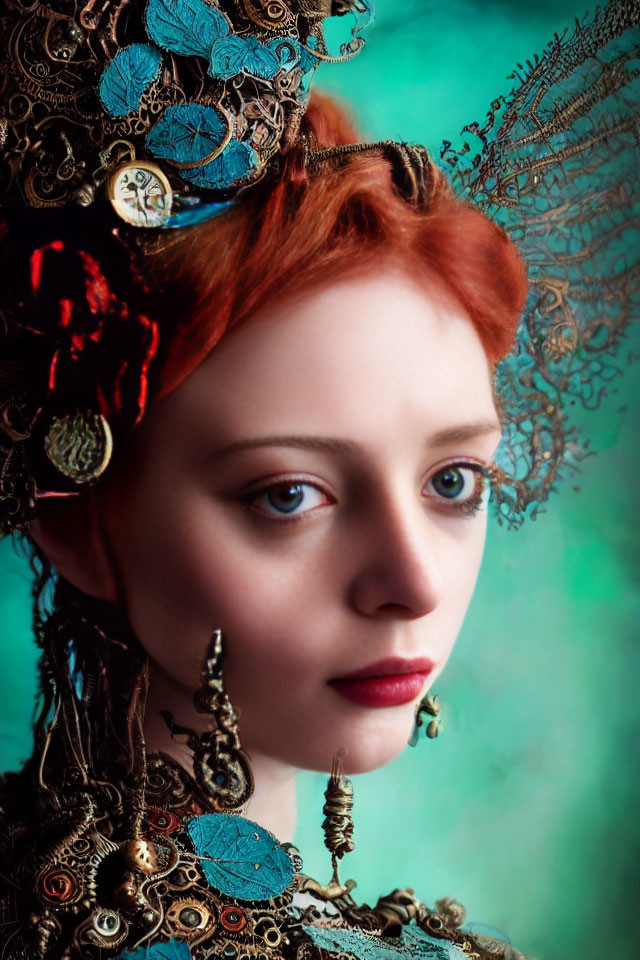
526	808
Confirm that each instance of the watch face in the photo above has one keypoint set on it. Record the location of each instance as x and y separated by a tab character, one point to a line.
140	194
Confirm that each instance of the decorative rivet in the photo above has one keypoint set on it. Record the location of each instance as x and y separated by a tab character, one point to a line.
164	821
233	919
190	917
58	885
107	923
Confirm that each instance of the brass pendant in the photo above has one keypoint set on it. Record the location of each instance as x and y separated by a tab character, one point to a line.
338	832
79	445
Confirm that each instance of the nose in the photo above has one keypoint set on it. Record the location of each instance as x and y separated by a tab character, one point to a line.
399	573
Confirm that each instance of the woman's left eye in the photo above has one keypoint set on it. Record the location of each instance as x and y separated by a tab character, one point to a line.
461	487
287	499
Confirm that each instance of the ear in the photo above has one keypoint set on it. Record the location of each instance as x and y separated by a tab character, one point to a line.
70	532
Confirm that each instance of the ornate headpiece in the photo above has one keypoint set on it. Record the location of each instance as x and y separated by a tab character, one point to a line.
166	110
163	106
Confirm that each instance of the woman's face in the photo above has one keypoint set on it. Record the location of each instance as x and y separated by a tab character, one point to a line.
312	489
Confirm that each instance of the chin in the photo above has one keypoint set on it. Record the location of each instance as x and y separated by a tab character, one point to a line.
366	755
366	746
377	737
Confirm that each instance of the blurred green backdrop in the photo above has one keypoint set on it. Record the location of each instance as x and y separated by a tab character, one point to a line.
526	809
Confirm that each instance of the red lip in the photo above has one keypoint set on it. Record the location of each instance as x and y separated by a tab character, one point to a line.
386	683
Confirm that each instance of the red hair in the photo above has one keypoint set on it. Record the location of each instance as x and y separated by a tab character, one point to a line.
315	226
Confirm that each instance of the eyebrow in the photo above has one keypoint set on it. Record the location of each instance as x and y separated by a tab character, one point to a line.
454	434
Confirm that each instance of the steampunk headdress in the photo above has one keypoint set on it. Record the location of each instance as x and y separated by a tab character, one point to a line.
159	114
123	115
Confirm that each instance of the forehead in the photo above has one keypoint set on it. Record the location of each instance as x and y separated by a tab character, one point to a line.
366	356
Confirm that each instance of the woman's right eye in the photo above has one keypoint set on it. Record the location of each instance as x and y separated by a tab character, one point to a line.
287	499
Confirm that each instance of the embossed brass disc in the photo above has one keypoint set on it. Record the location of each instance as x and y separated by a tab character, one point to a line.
79	445
141	194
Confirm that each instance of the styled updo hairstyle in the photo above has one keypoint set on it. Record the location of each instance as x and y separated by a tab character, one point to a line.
320	224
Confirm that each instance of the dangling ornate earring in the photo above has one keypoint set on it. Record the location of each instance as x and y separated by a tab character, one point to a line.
429	706
338	831
220	766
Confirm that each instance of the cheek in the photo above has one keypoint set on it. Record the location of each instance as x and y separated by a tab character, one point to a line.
462	567
191	571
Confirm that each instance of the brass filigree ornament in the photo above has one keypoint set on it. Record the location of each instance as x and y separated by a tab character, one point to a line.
556	163
79	445
220	766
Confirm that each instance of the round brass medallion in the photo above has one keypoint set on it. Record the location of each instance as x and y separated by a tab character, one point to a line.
79	445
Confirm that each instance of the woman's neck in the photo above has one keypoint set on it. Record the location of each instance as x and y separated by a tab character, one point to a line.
273	803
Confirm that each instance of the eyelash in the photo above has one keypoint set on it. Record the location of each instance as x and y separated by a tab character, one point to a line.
477	501
464	508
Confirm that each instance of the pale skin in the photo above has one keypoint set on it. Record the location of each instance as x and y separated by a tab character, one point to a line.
291	492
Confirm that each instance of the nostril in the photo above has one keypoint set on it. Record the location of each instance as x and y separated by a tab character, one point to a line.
396	610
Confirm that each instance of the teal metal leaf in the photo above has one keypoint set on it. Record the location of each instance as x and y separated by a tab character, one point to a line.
259	60
240	858
187	133
173	950
414	943
127	76
234	54
227	56
187	27
234	166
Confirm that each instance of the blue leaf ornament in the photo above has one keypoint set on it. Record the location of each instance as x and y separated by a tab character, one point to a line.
173	950
240	858
187	133
235	164
227	56
127	76
187	27
414	943
260	61
234	54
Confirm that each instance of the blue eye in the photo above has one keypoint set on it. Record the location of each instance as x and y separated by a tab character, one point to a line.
287	498
464	486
